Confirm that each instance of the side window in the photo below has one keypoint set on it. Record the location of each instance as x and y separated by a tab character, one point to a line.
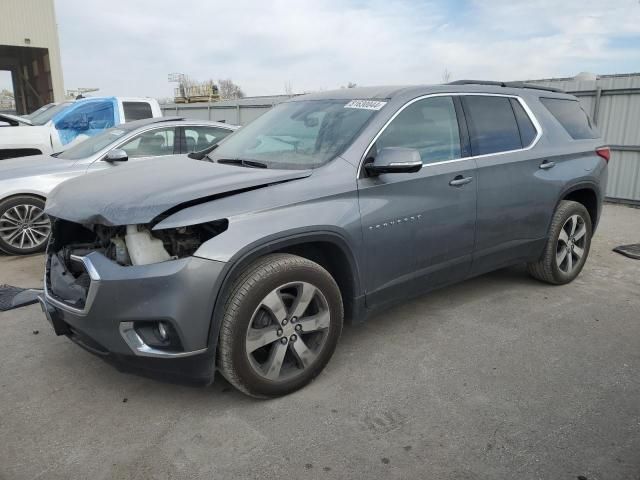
429	126
86	118
492	124
571	116
199	138
153	143
527	130
136	111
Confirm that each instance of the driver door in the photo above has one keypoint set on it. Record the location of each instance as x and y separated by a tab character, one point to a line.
419	228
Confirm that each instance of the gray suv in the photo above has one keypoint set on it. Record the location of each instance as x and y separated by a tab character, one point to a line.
328	207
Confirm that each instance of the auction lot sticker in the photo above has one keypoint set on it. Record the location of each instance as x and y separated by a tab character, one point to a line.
365	104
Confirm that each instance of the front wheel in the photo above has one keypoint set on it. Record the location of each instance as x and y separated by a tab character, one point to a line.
24	227
567	247
281	325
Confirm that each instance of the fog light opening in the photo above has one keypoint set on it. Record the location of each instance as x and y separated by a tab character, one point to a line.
159	334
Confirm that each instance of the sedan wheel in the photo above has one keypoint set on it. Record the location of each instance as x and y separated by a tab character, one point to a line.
24	227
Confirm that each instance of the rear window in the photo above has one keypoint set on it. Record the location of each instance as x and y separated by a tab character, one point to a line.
572	117
492	124
136	111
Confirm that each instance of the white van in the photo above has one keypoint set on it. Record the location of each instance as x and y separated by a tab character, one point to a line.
68	123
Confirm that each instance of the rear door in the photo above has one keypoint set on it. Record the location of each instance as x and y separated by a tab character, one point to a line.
512	213
418	228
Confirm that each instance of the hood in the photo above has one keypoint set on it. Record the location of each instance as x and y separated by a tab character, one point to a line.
137	193
32	165
14	119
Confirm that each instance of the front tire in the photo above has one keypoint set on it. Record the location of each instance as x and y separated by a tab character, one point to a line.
567	247
24	227
282	321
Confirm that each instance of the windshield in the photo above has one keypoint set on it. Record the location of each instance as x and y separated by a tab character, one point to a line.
92	145
297	135
39	111
46	115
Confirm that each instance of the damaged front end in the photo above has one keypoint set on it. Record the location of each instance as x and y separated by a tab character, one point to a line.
69	280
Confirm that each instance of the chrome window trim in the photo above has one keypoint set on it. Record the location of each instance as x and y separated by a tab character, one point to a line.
128	136
524	105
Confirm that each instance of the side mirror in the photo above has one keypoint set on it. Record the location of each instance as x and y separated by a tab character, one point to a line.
202	153
395	160
116	155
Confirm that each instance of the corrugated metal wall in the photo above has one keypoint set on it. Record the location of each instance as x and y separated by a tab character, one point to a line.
613	101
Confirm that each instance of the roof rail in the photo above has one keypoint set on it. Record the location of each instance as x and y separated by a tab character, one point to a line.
166	119
506	84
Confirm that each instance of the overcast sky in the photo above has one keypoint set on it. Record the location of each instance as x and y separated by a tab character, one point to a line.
128	48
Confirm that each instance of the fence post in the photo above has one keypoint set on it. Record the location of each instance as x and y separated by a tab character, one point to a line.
596	105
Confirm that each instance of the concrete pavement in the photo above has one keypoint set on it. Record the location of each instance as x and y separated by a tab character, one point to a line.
498	377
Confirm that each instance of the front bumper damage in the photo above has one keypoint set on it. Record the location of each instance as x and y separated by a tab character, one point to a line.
106	307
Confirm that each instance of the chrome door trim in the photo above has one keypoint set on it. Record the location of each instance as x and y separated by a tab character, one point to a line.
524	105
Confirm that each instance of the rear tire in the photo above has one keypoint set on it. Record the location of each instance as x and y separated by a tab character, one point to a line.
282	321
567	247
24	227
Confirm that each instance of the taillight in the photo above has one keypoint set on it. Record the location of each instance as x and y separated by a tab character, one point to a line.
604	152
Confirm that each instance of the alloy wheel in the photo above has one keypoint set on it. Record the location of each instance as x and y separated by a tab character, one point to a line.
571	244
288	331
24	227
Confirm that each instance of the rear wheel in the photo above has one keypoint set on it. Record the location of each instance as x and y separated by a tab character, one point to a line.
24	227
568	245
282	321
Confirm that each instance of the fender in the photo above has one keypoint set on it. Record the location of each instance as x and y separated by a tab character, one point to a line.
268	245
580	185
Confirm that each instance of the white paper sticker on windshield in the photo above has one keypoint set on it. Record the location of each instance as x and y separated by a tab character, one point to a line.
365	104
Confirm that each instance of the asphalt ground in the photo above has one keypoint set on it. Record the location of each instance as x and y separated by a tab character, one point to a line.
498	377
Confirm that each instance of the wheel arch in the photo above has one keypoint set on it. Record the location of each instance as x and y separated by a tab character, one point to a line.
328	249
24	194
586	193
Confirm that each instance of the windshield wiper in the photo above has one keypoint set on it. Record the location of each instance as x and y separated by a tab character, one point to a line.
243	163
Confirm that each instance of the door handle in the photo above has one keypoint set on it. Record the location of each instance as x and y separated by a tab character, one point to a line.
546	165
459	180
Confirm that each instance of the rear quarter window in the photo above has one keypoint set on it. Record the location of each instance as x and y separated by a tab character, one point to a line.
136	111
572	117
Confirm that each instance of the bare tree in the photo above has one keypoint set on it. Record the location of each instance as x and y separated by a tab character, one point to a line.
446	76
229	90
288	89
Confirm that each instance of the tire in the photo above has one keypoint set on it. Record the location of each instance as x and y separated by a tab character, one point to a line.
564	238
24	228
262	308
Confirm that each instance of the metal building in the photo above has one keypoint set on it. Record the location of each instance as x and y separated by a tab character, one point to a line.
30	50
613	101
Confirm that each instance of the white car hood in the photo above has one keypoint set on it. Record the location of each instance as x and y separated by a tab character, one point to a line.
25	136
33	165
